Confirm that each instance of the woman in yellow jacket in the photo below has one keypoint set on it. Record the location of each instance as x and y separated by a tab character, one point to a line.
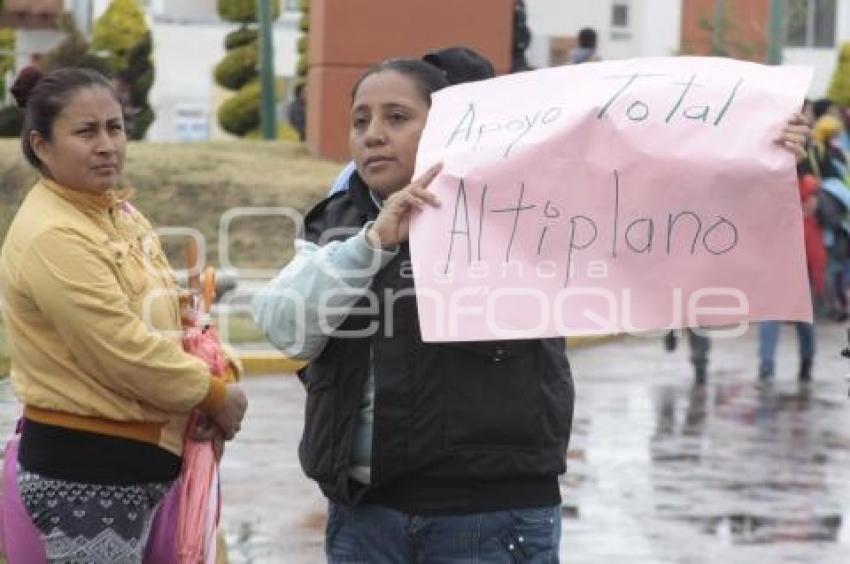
94	327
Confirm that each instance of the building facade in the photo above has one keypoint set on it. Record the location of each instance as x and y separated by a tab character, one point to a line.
625	28
812	30
189	41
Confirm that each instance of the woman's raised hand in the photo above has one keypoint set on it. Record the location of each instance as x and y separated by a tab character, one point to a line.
794	136
392	225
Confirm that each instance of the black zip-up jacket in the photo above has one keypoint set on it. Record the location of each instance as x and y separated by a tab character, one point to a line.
458	427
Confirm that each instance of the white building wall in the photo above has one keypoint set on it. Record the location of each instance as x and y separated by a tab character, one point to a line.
662	27
29	42
177	10
185	56
824	61
654	27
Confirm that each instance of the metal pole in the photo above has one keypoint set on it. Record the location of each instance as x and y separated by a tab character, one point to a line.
268	117
775	39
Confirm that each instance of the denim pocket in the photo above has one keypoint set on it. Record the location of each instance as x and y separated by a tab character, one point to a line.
533	536
342	542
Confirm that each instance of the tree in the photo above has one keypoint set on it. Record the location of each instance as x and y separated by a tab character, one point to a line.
839	88
239	69
303	43
241	114
722	36
11	117
74	51
123	34
725	40
243	11
7	62
119	28
136	80
11	121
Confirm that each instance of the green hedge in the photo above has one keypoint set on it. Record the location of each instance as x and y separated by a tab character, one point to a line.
7	43
11	121
241	113
73	51
242	36
238	67
244	11
839	88
120	28
303	45
302	66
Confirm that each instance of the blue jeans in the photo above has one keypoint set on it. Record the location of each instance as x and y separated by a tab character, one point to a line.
374	534
769	337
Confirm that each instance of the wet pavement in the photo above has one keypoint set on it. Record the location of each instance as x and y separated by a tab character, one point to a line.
659	470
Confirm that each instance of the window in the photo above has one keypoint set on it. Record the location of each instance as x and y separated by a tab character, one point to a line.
620	15
291	6
810	23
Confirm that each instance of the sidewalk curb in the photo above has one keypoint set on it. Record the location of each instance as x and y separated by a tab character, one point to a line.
257	363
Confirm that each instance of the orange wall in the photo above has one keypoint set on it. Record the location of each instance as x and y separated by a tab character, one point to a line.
747	21
39	14
349	36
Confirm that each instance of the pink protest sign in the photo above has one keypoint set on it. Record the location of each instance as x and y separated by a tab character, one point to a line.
618	196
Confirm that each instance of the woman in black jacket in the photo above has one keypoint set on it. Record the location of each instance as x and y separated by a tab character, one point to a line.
427	452
424	450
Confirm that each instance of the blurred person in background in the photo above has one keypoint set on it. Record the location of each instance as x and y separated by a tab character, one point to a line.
586	50
816	262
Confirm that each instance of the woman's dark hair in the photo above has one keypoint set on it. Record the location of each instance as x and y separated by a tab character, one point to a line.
461	64
44	96
587	38
427	77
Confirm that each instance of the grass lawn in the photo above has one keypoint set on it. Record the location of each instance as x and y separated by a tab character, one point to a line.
241	329
198	186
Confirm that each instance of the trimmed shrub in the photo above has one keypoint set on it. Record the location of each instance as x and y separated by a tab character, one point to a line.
119	28
839	88
238	67
303	45
11	121
302	66
241	113
138	78
244	11
242	36
73	51
7	62
142	120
